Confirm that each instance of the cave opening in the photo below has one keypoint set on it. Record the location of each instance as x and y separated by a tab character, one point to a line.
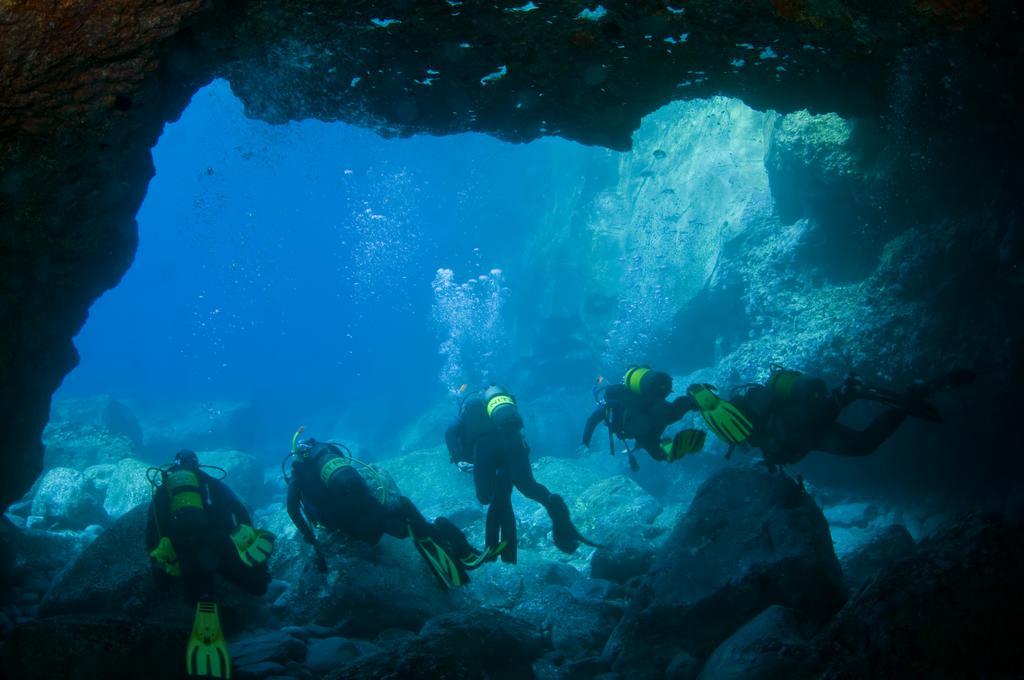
294	274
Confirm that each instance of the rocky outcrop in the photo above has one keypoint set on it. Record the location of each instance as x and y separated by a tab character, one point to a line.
242	472
774	644
128	488
751	539
81	445
953	610
869	558
470	644
65	499
113	578
578	625
68	647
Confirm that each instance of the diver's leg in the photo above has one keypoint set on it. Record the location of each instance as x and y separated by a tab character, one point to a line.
198	563
844	441
507	524
485	471
521	475
253	580
406	516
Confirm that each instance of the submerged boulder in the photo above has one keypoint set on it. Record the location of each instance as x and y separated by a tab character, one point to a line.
127	488
578	626
771	645
478	643
242	471
79	446
113	577
95	647
368	588
867	559
751	539
90	431
952	610
65	499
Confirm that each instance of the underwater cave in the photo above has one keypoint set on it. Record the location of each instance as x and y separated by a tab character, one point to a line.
766	260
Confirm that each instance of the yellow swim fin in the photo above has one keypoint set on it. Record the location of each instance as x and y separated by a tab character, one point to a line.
254	546
684	443
445	568
722	417
479	557
207	651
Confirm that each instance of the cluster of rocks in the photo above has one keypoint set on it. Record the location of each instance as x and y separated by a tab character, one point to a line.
746	582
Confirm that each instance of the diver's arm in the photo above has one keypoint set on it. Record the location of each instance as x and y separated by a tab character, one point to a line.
295	512
225	499
453	440
596	417
680	406
294	506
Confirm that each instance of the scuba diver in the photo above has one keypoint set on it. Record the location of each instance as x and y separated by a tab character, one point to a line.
793	414
197	528
639	409
488	435
331	489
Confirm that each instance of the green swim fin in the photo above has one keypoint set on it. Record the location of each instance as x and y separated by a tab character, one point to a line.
478	558
721	416
254	546
447	570
207	651
684	443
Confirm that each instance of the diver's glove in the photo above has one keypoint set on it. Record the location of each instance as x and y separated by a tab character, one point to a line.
464	466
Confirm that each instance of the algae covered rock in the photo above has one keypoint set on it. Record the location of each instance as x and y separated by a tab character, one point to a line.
64	498
78	445
127	488
750	539
243	472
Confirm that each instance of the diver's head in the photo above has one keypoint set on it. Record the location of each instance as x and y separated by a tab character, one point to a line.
187	459
660	384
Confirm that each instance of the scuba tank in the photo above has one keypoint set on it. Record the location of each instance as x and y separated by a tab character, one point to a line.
501	407
782	381
648	383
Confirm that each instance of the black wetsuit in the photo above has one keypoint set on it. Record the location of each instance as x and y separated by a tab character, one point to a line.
345	503
501	461
787	428
631	416
202	540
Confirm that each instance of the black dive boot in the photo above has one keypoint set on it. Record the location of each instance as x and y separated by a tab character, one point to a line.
566	536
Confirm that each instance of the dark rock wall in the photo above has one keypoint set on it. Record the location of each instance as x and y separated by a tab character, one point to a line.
86	87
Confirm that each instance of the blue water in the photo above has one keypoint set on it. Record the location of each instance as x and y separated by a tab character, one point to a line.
291	265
